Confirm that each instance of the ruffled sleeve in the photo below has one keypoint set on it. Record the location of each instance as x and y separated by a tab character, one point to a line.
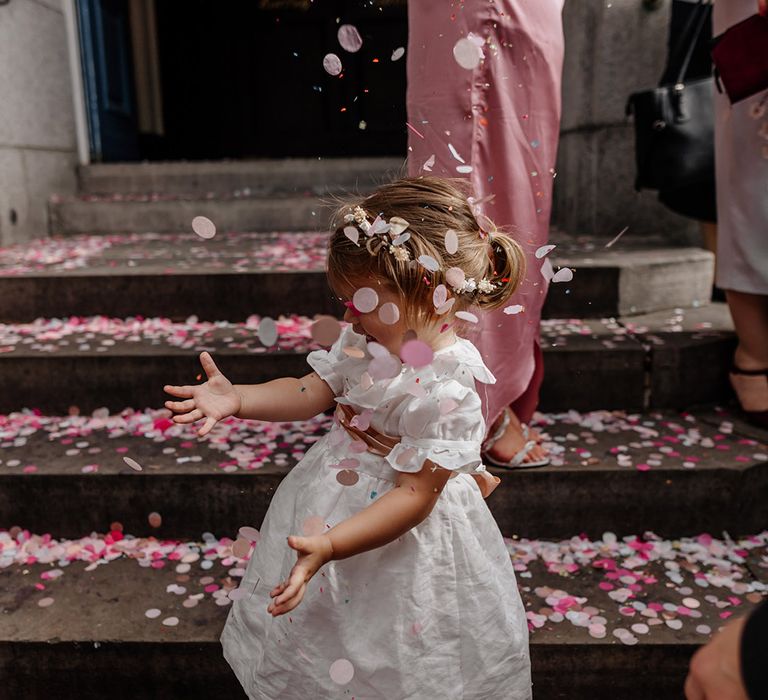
329	364
446	427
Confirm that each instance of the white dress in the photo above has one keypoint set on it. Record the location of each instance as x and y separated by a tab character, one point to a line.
435	614
741	165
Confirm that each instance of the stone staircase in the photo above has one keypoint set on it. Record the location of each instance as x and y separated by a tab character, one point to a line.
95	320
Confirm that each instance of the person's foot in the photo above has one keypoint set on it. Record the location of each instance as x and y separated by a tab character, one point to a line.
750	382
513	440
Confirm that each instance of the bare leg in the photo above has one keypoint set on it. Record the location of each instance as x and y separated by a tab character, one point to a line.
750	318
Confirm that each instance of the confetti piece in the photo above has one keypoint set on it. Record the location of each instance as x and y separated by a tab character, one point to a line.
398	53
439	295
332	64
691	603
152	613
249	533
203	227
619	235
544	250
384	367
353	233
389	313
445	308
341	671
155	519
514	309
133	464
428	263
238	593
564	274
171	621
349	38
467	54
464	169
267	333
325	330
402	238
451	242
351	351
379	226
455	153
455	277
365	300
414	130
377	349
397	226
241	547
467	316
45	602
347	477
416	353
429	163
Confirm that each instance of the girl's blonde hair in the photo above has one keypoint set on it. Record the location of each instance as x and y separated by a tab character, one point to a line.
431	206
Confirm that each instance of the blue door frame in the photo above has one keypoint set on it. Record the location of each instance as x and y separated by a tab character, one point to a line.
105	48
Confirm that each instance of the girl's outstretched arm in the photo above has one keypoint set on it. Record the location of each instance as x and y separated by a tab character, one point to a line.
388	518
217	398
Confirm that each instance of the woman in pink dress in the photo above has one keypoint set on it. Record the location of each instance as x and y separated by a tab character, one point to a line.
484	102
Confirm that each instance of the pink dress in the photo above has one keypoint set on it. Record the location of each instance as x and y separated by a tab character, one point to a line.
501	119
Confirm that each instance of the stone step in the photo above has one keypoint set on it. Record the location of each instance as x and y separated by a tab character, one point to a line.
235	275
250	177
52	364
674	474
121	617
257	177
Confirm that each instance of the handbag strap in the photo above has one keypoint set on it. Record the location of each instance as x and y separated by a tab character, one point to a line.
691	33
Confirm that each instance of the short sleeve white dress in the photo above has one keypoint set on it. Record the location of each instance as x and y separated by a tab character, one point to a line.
435	614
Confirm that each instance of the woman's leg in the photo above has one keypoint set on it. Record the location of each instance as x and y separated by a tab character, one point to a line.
750	319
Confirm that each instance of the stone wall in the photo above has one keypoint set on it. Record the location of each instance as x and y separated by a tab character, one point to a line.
613	48
37	129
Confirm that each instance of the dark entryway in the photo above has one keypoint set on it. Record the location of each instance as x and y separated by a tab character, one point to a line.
245	78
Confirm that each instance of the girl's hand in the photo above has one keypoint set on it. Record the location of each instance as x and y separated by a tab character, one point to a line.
214	400
313	552
487	482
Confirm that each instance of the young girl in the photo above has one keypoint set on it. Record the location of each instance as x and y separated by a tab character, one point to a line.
394	576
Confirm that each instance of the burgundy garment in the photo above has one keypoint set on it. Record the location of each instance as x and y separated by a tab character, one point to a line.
502	118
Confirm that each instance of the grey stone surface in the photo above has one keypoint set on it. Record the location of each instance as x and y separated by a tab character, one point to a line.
37	134
286	175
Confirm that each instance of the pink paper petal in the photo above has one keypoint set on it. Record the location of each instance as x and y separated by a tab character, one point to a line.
429	263
455	276
353	233
564	274
451	241
365	300
349	38
416	353
439	295
332	64
389	313
467	316
325	330
541	252
514	309
203	227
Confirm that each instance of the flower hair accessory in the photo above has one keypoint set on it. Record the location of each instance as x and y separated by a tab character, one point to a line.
471	286
389	235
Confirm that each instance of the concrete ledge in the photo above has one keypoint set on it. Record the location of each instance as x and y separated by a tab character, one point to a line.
275	176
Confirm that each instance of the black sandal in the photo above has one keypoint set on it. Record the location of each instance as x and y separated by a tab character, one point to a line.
757	418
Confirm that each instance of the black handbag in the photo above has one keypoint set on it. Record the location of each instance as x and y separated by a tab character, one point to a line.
674	123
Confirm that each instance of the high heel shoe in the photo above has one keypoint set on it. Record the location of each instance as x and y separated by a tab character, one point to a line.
755	416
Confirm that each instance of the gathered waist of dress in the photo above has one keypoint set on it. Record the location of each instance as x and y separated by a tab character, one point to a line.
377	443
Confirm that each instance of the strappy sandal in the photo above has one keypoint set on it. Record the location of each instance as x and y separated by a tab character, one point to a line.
517	461
757	418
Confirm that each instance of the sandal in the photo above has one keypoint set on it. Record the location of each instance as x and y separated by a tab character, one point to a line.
517	461
758	418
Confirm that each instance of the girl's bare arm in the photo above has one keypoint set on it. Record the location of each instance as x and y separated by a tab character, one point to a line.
285	399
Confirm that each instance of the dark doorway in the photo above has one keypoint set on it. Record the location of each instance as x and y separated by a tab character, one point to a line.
245	79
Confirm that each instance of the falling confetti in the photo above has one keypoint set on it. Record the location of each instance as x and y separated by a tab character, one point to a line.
389	313
544	250
332	64
155	519
325	330
398	53
249	533
564	274
352	233
241	547
267	333
464	169
619	235
429	163
467	53
513	309
439	295
365	300
416	353
349	38
203	227
451	242
341	671
429	263
133	464
455	277
455	153
467	316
